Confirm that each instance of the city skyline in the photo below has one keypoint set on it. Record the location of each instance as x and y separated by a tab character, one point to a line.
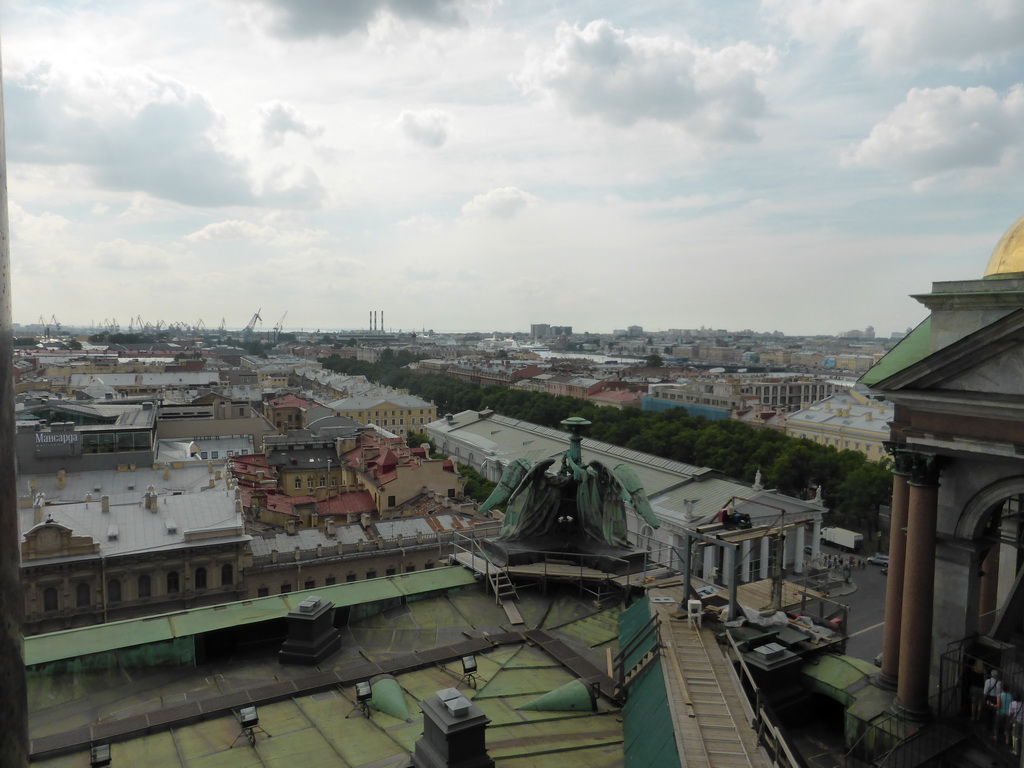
793	165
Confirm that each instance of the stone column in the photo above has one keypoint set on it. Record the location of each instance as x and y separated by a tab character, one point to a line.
894	582
13	702
766	553
798	558
815	539
918	587
989	591
745	560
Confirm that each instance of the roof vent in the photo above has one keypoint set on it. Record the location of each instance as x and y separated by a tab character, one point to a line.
111	533
172	527
309	605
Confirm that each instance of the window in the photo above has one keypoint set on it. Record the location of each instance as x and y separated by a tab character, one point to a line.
214	454
144	586
391	501
298	483
227	575
410	568
263	592
203	455
50	599
172	583
451	493
114	591
329	581
311	584
309	481
350	577
389	572
285	588
82	595
427	565
371	574
200	578
323	480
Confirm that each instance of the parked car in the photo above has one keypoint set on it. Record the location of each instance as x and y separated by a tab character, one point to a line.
879	560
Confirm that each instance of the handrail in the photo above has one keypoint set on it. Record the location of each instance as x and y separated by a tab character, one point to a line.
762	712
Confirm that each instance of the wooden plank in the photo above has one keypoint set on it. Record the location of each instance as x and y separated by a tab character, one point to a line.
512	612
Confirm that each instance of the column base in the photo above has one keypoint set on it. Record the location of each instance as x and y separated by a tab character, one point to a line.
885	682
913	715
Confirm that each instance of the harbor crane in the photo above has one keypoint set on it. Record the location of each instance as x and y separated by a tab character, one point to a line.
279	326
247	333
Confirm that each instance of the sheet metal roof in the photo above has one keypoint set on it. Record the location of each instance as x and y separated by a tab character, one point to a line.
84	641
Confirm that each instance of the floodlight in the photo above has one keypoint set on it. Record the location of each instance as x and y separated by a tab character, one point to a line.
363	691
99	756
468	664
249	717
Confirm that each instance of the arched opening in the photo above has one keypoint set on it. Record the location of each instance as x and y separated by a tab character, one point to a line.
114	591
172	583
50	600
227	575
200	580
82	597
145	587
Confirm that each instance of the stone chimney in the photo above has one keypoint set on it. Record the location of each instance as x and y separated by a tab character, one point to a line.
104	503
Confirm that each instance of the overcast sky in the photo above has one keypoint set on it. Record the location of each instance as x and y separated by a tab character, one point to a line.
793	165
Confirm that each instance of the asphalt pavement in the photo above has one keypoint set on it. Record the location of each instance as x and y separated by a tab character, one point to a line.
865	597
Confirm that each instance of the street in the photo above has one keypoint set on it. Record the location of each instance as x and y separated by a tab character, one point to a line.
867	608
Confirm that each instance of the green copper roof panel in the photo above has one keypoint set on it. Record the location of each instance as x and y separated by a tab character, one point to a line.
915	346
113	636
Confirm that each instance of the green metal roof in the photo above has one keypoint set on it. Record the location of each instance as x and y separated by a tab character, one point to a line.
914	347
101	638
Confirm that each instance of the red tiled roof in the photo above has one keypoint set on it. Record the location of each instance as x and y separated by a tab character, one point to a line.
355	502
289	401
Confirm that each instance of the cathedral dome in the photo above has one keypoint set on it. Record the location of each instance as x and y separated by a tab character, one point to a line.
1008	257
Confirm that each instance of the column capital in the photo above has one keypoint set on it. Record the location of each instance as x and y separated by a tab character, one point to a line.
924	469
902	459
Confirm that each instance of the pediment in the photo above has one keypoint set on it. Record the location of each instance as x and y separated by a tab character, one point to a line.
1002	375
988	361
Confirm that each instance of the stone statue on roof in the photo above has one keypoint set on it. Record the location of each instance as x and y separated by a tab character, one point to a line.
580	502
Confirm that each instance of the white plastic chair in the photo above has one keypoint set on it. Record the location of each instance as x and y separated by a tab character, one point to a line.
694	613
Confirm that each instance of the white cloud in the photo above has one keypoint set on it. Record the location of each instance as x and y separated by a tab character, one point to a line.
277	120
238	229
911	32
501	203
428	127
601	71
122	254
940	130
306	19
138	131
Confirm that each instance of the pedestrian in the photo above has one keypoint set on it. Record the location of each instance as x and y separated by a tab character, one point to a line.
1001	710
1014	720
975	685
991	692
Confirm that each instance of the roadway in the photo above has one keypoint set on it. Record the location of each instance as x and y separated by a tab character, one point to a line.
867	607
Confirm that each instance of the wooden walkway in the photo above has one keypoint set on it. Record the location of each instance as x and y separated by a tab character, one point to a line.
712	719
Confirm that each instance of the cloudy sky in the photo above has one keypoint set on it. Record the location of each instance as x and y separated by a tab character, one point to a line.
793	165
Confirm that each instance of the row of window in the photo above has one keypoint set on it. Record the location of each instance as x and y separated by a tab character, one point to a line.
83	590
331	580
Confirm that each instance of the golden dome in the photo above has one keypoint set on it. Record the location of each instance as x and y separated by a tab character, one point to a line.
1008	256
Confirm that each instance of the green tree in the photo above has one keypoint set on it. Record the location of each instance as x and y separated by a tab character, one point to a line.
654	361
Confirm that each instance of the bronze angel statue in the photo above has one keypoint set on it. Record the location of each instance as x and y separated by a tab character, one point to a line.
580	500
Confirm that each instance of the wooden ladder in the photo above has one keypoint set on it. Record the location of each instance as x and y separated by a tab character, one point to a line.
503	587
